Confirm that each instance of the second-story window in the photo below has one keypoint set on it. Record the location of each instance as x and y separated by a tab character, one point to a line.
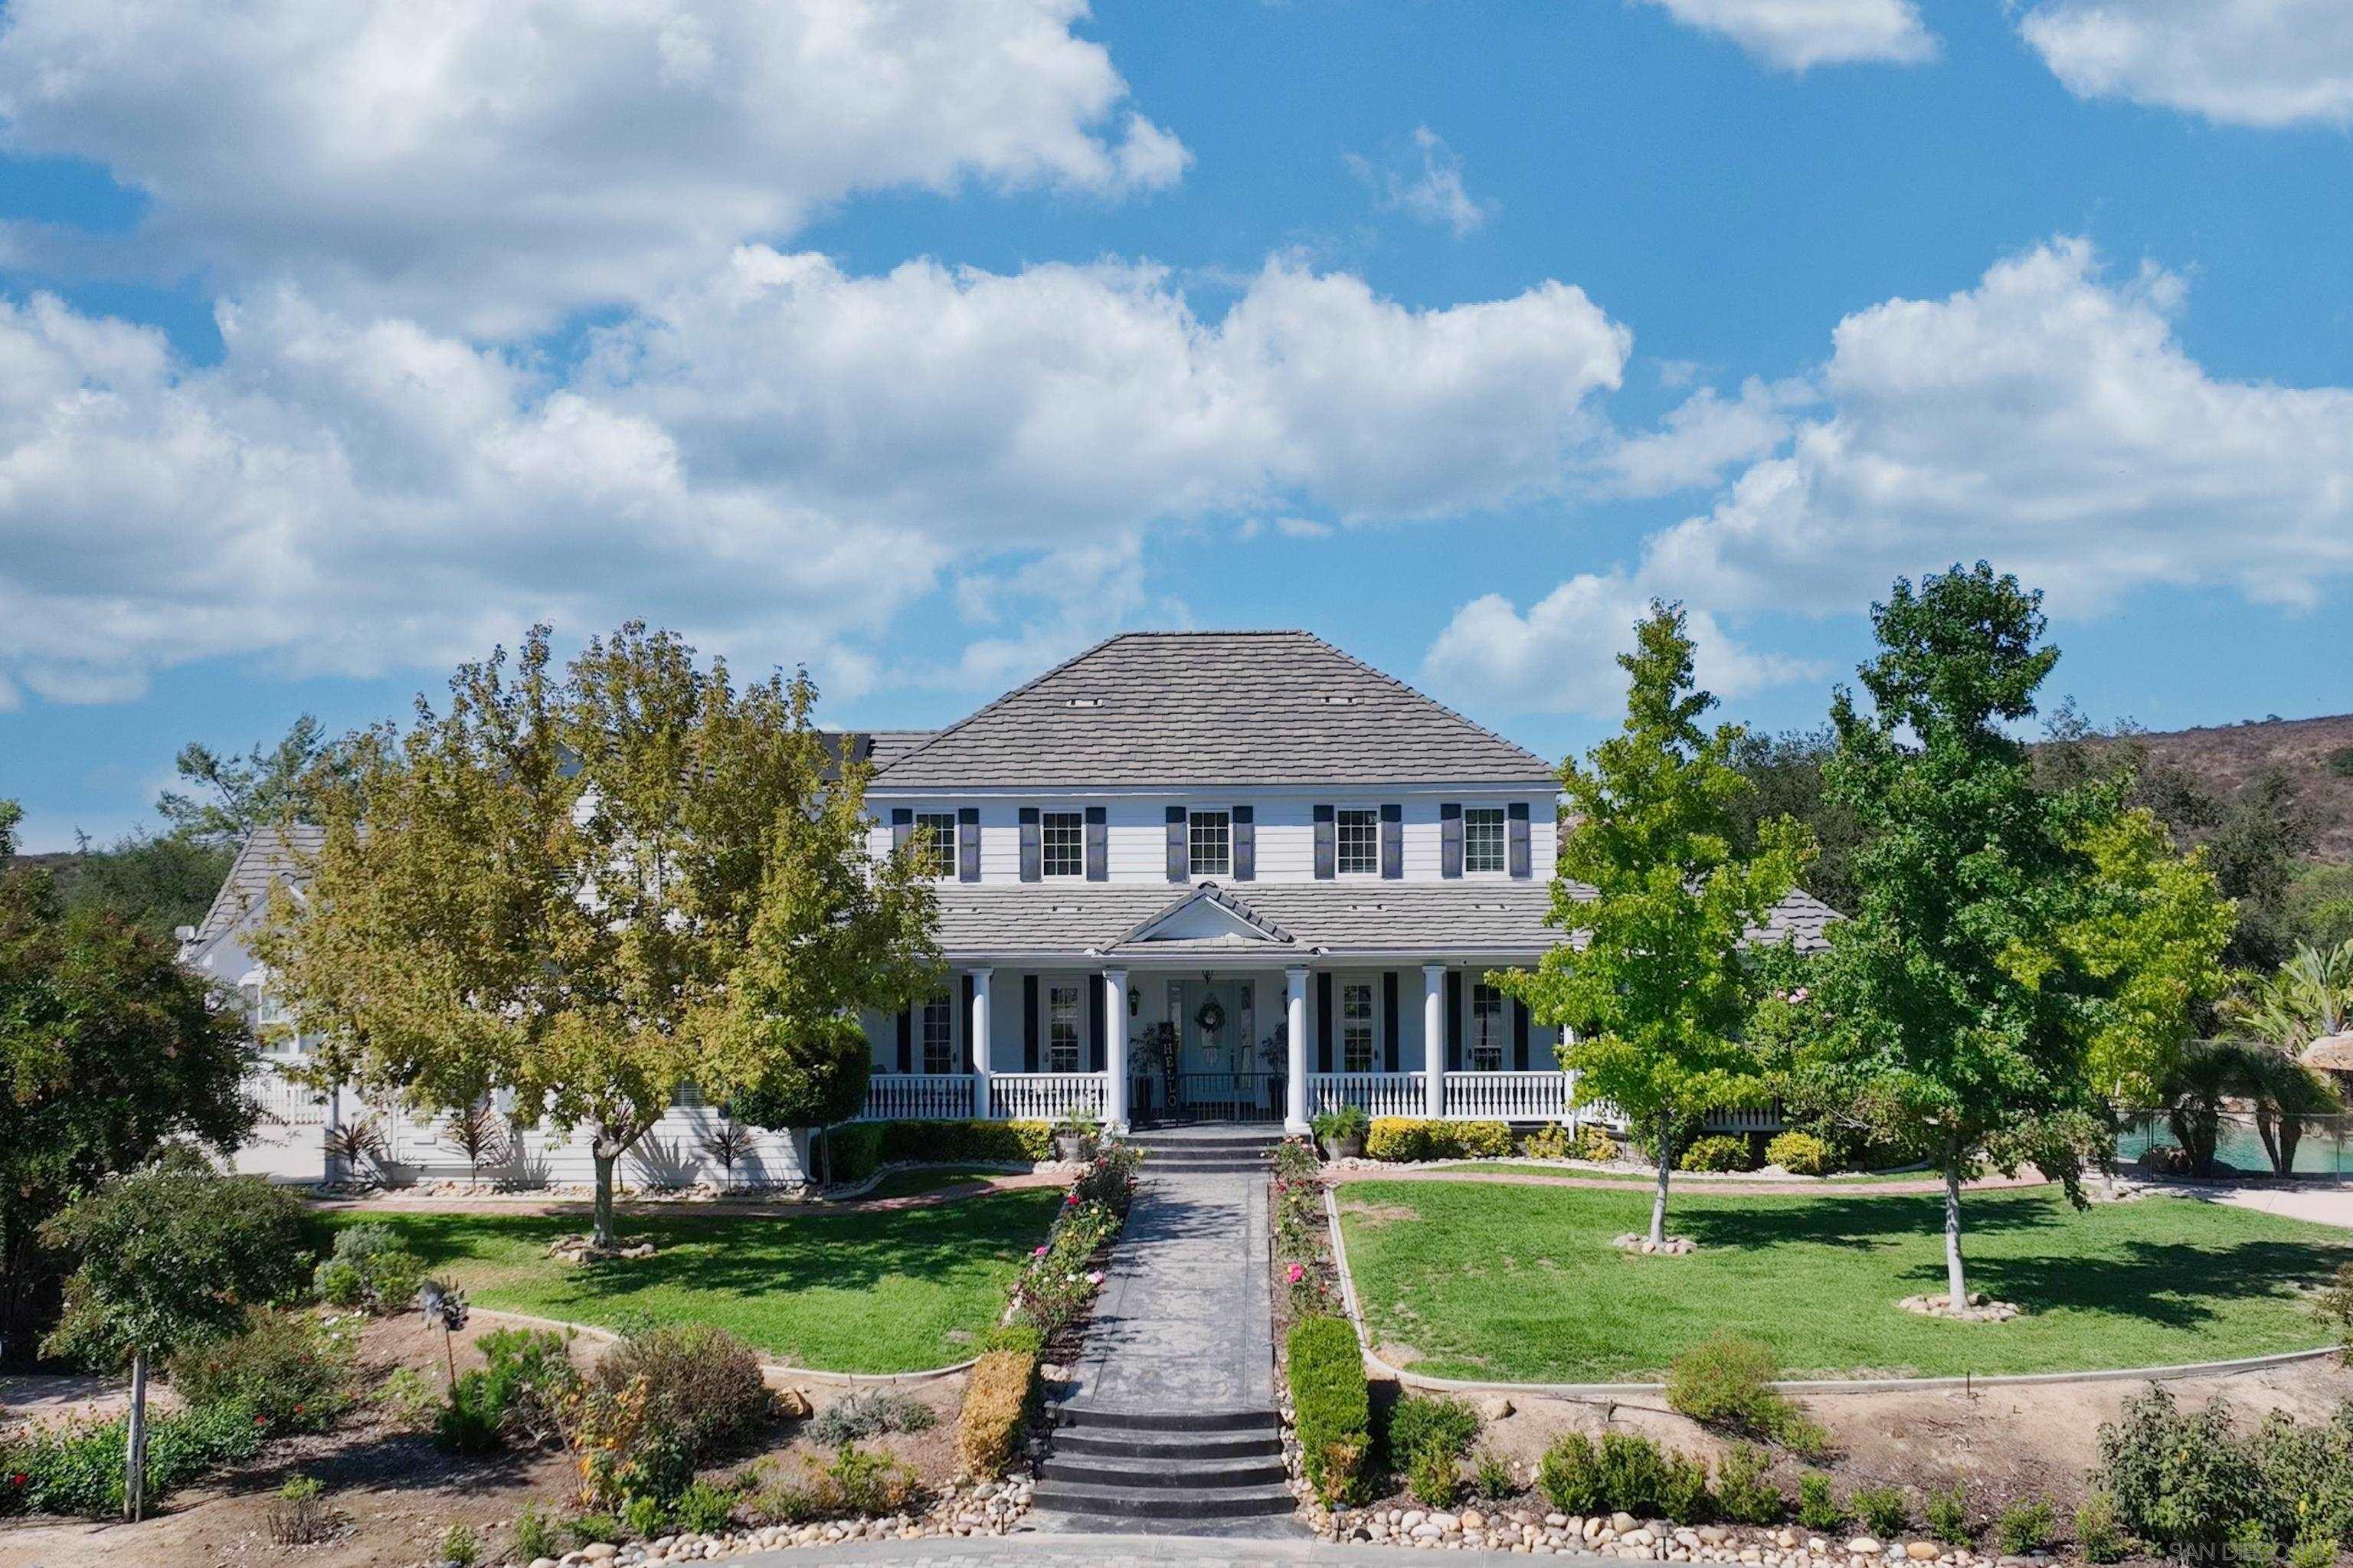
1211	837
937	830
1483	838
939	1036
1062	843
1358	844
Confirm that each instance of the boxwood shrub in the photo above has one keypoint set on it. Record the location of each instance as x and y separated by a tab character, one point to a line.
856	1151
1332	1407
1409	1138
1719	1151
1801	1154
995	1408
952	1142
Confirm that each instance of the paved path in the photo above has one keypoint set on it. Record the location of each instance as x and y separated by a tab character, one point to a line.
1122	1552
1185	1321
2324	1204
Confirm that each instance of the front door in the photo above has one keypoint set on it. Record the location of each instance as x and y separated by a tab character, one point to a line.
1224	1072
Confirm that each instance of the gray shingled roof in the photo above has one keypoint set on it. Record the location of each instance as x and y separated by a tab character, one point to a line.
1332	919
263	860
1186	709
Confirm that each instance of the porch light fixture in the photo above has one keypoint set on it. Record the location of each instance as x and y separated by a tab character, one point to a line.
1135	1001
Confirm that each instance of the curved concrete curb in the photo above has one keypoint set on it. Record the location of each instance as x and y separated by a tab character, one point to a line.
1788	1385
767	1368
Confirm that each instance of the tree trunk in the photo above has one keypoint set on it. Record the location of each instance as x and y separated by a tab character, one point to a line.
1956	1286
601	1231
2291	1133
134	1456
1662	1151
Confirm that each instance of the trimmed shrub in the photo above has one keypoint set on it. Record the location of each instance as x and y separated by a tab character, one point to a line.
703	1386
1421	1420
1332	1407
2027	1525
703	1508
1799	1153
1024	1337
995	1408
1596	1144
2182	1481
1492	1478
1726	1379
287	1367
1818	1507
1949	1514
1634	1475
1478	1140
1569	1475
1881	1510
534	1537
955	1142
2099	1530
1411	1139
1398	1138
1549	1142
855	1150
369	1268
1717	1151
1432	1478
1744	1493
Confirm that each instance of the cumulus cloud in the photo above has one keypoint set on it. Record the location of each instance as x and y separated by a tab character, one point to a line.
2241	62
1798	35
493	168
1424	182
782	453
2047	419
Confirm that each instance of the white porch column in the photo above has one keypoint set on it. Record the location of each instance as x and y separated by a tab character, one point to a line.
978	1035
1294	1109
1433	1040
1115	1049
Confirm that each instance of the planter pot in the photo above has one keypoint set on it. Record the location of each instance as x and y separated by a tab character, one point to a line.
1070	1146
1343	1148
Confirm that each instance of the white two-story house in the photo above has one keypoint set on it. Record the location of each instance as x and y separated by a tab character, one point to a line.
1185	876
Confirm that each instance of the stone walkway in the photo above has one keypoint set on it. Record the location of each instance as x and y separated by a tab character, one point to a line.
1118	1552
1185	1321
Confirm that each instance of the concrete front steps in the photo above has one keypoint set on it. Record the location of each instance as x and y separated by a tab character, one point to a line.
1216	1471
1206	1150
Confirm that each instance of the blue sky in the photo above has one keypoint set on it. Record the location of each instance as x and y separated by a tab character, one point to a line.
925	345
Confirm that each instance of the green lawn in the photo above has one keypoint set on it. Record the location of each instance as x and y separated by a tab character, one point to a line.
896	1290
1520	1283
1526	1168
924	1179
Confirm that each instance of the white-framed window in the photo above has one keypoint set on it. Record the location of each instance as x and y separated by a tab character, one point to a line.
1061	1027
1210	836
936	831
1483	838
936	1022
1357	1040
1356	848
1062	843
1489	1025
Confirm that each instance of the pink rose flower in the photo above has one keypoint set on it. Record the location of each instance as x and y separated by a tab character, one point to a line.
1297	1274
1040	1252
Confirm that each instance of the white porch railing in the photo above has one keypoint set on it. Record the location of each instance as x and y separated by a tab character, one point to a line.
1751	1119
918	1096
283	1101
1507	1097
1375	1094
1045	1097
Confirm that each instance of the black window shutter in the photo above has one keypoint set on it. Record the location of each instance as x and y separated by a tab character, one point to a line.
906	1040
1449	839
1180	859
1095	988
1098	844
967	843
902	827
1323	1021
1390	1019
1519	1034
1392	842
962	1028
1454	1020
1029	1024
1325	848
1516	837
1029	852
1245	820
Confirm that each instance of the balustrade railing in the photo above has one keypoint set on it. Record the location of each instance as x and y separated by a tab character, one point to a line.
1507	1097
918	1096
1045	1097
283	1101
1375	1094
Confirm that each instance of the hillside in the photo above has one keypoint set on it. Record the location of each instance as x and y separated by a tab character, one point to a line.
2226	755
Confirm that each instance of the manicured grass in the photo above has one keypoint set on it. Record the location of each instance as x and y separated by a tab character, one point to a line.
912	1184
1521	1283
895	1290
1526	1167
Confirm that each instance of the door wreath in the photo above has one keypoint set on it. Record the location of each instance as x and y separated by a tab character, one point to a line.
1212	1018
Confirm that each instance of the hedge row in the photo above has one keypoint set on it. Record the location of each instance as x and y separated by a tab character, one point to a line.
949	1142
1332	1408
1407	1138
995	1409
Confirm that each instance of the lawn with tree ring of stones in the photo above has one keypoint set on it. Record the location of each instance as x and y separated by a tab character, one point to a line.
1520	1284
888	1290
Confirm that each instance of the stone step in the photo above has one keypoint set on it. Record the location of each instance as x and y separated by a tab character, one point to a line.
1161	1474
1149	1503
1082	1413
1126	1443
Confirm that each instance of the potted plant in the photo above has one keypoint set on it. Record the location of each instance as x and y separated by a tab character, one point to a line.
1342	1132
1074	1136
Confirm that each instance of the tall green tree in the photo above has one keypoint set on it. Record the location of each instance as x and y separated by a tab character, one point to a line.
158	882
227	796
1655	996
171	1258
1786	772
1963	1017
108	1052
550	886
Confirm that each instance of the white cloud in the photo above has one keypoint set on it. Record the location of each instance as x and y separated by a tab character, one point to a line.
1423	183
2243	62
495	166
1798	35
782	454
2047	419
1702	438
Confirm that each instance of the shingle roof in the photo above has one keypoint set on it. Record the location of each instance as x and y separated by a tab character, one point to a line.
1185	709
264	859
1505	919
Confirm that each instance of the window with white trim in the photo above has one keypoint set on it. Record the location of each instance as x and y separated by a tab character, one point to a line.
1483	838
1061	1028
1357	844
937	831
938	1022
1209	836
1488	1027
1062	843
1356	1026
